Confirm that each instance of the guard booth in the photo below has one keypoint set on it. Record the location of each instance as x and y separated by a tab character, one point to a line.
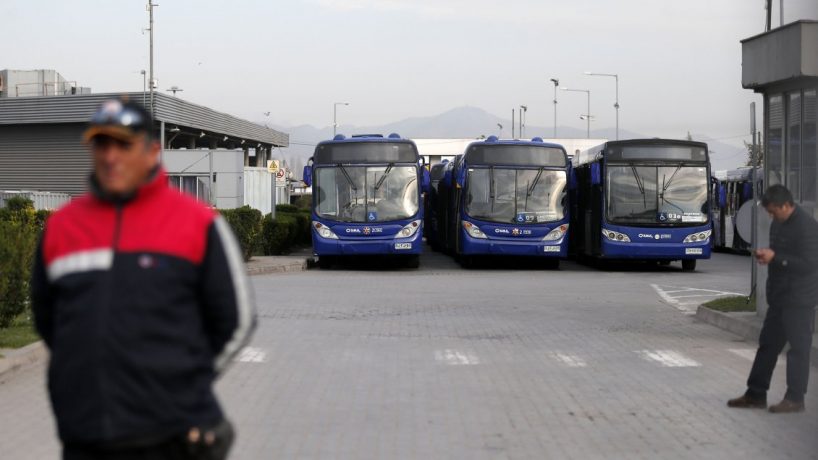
782	65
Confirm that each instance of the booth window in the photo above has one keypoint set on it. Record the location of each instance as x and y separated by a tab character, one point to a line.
197	186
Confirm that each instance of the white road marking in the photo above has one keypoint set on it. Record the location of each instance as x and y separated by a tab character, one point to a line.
690	299
668	358
569	360
251	355
456	358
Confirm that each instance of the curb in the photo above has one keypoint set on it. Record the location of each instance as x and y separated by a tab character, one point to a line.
15	359
741	324
35	352
294	266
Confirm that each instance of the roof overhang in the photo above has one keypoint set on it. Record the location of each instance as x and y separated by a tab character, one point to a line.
781	56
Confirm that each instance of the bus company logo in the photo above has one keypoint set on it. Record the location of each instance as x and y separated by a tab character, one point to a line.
657	236
515	232
501	230
353	230
367	231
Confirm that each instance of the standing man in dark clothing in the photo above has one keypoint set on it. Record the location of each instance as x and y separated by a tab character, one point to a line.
792	293
140	294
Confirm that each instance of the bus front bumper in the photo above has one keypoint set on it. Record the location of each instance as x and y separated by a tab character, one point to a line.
387	246
667	251
530	248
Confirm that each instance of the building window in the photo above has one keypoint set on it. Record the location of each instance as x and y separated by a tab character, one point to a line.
809	151
775	139
193	185
793	156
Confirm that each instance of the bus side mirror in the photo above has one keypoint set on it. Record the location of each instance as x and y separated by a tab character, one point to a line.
426	180
307	176
461	177
722	196
596	174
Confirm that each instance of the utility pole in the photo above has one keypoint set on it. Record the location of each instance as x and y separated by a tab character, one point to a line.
556	82
523	114
150	29
512	124
769	15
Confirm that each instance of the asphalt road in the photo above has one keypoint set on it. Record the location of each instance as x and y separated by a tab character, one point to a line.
498	362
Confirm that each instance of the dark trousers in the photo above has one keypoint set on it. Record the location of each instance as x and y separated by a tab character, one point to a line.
783	325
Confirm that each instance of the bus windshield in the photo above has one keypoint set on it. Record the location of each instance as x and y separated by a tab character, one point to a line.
366	194
672	194
515	196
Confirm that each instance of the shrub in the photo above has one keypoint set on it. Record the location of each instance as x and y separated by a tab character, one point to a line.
246	225
287	208
304	202
18	239
275	235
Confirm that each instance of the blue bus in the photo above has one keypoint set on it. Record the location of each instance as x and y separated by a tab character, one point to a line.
506	198
730	190
367	198
643	199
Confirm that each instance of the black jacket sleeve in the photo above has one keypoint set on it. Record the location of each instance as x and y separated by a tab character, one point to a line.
42	297
225	296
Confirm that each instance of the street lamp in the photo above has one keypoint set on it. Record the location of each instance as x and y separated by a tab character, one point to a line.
501	130
335	116
556	82
616	104
524	109
588	113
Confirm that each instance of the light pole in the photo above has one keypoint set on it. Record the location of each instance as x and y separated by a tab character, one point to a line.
501	130
335	116
616	104
556	82
588	114
524	109
150	28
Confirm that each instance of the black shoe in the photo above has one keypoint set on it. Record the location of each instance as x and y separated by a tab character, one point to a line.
787	407
747	402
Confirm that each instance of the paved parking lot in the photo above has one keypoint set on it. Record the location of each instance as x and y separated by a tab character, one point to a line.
442	362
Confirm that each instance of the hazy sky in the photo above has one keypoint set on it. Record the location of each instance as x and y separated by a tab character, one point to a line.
679	61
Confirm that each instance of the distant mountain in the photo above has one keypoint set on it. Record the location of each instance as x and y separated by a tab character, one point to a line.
472	122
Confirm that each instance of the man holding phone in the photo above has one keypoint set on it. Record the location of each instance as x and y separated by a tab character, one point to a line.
792	293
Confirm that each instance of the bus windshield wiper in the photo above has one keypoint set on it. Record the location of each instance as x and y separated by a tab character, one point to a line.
536	181
349	179
640	185
383	177
666	185
491	187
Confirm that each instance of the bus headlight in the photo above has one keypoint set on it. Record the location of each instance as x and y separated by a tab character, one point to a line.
324	231
557	233
616	236
697	237
473	230
409	230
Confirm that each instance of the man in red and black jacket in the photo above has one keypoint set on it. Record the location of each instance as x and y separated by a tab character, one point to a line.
141	296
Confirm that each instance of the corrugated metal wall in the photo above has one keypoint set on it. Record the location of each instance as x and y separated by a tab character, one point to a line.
49	158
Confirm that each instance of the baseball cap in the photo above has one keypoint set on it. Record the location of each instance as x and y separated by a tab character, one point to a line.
120	119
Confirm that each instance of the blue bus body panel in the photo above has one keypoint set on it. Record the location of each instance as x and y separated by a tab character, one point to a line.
366	239
511	240
656	243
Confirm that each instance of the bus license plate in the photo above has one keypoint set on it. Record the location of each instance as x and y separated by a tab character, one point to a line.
403	246
551	249
693	251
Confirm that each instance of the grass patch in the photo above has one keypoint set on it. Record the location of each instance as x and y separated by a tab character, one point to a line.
731	304
20	333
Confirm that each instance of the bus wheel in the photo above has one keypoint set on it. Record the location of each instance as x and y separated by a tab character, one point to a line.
325	262
413	261
688	265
